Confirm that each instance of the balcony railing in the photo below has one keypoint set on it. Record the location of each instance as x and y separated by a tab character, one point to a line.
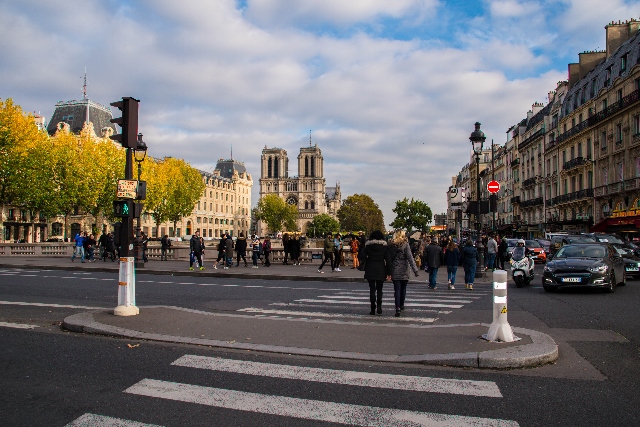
612	109
515	199
576	195
533	202
528	182
578	161
515	162
531	138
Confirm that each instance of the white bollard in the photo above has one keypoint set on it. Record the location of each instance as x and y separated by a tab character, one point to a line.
500	330
126	289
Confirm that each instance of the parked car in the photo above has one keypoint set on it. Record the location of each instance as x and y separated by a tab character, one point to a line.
612	238
559	240
539	254
596	265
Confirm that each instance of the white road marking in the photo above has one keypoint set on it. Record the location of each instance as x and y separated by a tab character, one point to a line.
353	378
415	310
318	314
39	304
17	325
407	304
93	420
305	408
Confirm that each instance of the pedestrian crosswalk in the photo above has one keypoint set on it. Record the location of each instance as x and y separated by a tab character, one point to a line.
286	407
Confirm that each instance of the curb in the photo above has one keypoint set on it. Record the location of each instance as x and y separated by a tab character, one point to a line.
543	350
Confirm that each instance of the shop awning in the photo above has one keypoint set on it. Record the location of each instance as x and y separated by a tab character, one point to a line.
615	224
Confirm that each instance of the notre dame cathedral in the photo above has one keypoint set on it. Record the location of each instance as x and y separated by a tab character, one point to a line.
307	190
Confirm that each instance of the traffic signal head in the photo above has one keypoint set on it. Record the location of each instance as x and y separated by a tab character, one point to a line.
128	122
123	208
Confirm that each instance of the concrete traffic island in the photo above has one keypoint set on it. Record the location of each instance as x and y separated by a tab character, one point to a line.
382	340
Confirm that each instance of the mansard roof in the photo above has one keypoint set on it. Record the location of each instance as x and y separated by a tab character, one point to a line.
74	113
598	75
227	166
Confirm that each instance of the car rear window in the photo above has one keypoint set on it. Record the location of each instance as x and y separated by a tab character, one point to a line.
579	251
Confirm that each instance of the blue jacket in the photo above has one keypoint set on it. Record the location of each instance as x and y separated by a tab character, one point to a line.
79	240
452	257
470	256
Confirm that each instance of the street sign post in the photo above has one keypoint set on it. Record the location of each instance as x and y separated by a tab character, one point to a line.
493	187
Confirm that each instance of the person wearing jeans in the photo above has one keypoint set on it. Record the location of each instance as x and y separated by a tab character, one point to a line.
492	251
452	259
469	259
79	249
435	258
401	260
329	249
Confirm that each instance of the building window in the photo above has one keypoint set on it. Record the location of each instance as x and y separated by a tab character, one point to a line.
636	124
607	79
619	133
603	140
269	167
619	95
588	148
623	63
579	149
593	88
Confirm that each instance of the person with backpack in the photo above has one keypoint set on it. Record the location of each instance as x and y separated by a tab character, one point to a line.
266	250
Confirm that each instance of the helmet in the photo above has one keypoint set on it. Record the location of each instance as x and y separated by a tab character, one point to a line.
521	242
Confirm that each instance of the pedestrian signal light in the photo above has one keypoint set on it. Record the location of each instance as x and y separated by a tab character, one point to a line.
128	122
122	208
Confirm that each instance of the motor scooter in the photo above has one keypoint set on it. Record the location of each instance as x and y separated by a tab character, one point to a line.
521	266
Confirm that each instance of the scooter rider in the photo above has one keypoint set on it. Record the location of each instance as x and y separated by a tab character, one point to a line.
527	251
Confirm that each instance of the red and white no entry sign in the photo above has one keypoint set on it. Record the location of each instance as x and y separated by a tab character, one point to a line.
493	187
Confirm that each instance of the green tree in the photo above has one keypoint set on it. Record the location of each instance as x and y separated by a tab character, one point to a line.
173	189
277	214
360	213
411	215
323	224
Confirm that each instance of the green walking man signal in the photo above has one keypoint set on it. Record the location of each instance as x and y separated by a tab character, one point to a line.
122	208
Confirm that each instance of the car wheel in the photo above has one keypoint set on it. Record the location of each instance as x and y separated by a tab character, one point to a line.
624	279
549	288
612	284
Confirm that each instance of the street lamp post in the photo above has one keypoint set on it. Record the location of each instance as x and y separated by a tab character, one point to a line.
477	139
140	153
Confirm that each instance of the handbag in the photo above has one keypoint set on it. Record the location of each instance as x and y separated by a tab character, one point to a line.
363	265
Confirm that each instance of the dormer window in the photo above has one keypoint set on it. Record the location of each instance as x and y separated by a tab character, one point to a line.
623	63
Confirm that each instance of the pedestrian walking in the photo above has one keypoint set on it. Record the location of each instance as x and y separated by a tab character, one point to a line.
109	249
503	251
377	267
337	244
266	250
329	251
401	260
353	248
102	244
222	246
256	247
286	247
241	249
492	251
165	245
145	246
195	244
435	258
422	248
470	258
295	247
79	248
228	251
452	260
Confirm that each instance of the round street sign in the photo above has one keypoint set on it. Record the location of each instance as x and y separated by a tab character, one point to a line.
493	187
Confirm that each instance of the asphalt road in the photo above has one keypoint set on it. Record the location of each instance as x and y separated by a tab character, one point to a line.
52	377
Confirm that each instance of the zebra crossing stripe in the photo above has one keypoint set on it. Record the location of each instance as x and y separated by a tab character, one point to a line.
290	304
341	413
39	304
333	376
319	314
408	304
93	420
436	299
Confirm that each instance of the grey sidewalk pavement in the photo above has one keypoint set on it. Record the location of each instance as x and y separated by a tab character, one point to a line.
372	339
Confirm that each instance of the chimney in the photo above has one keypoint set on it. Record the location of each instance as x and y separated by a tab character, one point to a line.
620	32
589	60
536	107
574	74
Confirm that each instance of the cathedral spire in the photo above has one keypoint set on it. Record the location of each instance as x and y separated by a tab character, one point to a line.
309	138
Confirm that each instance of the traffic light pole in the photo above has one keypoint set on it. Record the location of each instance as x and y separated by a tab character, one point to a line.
126	232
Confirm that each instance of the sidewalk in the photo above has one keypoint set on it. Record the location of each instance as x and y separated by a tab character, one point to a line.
382	339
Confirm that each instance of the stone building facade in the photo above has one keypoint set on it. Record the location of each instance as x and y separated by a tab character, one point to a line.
307	190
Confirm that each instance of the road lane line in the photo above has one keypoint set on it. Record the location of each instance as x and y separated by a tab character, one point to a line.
18	325
415	310
39	304
436	299
333	376
342	413
93	420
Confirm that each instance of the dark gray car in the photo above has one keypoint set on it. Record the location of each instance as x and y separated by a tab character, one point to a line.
594	265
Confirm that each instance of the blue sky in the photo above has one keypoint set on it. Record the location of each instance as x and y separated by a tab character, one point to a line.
389	89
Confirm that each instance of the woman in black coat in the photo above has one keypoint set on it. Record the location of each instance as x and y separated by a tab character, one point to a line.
375	257
294	249
469	257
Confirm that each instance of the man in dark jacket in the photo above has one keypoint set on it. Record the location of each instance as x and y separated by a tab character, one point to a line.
435	258
195	244
165	245
241	250
228	250
469	259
